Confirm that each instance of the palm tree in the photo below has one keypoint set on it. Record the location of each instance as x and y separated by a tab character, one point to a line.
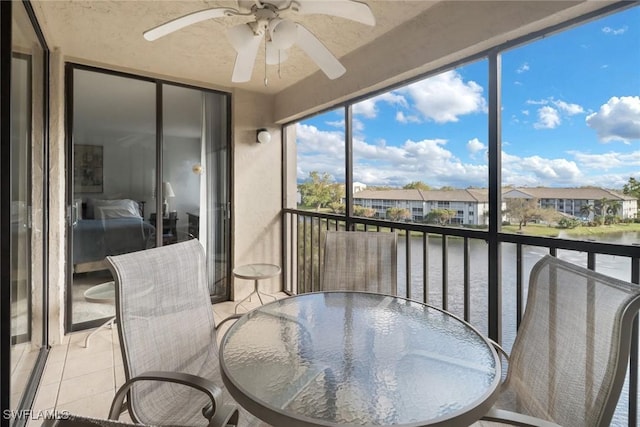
587	210
614	207
602	206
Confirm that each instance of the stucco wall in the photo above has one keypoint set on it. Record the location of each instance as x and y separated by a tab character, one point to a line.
257	192
57	230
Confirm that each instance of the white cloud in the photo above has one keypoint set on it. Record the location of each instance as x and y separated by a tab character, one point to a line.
606	161
536	170
617	120
548	118
357	125
551	112
369	109
366	108
445	97
431	161
570	109
474	146
319	150
336	124
523	68
615	31
403	118
393	98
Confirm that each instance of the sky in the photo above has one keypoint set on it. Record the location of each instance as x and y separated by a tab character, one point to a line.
570	118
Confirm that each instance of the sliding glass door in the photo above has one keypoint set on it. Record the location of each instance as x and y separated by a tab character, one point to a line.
148	168
27	206
195	174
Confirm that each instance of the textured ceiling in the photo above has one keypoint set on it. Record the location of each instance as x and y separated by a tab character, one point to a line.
110	33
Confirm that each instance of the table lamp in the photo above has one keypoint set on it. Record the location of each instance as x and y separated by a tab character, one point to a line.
167	191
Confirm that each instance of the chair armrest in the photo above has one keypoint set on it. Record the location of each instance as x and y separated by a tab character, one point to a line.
232	317
514	418
222	415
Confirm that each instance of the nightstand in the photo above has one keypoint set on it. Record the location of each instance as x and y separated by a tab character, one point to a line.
169	228
194	224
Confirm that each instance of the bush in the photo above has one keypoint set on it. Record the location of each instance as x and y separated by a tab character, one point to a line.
568	223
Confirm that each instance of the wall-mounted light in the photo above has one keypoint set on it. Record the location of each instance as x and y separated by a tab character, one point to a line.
263	136
197	169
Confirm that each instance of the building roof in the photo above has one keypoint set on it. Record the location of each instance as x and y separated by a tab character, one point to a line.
394	194
466	195
482	194
581	193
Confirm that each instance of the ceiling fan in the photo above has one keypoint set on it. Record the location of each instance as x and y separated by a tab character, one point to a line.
279	33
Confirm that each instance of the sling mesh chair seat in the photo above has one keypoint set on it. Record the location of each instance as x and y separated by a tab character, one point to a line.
168	341
570	355
360	261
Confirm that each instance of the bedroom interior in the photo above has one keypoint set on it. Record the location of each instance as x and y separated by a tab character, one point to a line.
115	171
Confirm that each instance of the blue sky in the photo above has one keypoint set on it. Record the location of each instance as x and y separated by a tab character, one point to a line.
570	117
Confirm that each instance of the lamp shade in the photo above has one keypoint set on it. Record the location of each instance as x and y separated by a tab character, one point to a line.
167	190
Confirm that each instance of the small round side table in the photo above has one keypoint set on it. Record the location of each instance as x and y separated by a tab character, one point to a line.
255	272
104	293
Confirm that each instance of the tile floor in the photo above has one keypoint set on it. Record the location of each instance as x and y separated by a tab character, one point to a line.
84	380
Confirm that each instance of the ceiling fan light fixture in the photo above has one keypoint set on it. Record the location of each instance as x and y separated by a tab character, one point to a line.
284	34
240	36
278	34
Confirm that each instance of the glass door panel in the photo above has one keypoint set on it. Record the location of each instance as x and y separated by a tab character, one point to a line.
26	192
195	176
113	168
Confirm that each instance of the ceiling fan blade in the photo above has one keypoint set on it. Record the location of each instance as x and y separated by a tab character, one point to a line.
186	20
275	56
348	9
319	53
246	43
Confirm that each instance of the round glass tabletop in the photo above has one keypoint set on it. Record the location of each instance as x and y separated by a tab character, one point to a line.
349	358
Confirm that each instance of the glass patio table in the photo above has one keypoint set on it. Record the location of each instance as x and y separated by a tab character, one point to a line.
354	358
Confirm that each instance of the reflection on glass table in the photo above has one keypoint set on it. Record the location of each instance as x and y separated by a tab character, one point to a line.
350	358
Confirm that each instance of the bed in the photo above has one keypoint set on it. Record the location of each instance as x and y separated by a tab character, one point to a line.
108	227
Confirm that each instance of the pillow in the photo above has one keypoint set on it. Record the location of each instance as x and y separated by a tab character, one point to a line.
121	208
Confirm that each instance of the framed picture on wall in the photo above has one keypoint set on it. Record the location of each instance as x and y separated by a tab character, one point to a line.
87	168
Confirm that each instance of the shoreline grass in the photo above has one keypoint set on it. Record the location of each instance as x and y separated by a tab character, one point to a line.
549	231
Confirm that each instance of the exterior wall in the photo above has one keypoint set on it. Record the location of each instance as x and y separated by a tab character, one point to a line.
57	191
257	190
629	208
472	213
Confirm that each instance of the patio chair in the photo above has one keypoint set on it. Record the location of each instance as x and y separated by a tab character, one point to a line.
569	358
360	261
168	340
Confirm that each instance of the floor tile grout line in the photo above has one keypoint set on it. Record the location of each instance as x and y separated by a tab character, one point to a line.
64	367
